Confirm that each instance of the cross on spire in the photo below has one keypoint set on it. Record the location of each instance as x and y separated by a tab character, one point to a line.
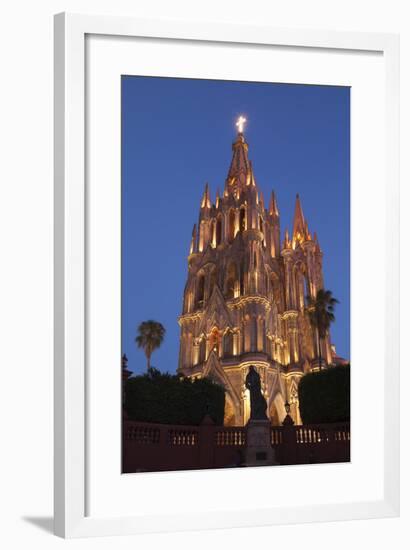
240	123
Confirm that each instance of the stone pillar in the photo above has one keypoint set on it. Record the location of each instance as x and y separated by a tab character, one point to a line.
288	279
292	332
236	350
258	448
206	442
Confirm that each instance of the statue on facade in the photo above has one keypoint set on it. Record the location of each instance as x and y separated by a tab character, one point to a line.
258	402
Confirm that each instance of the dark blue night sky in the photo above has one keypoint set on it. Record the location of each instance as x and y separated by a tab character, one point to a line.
177	135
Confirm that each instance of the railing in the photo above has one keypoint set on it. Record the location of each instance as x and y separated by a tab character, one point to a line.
142	434
183	437
276	435
230	437
322	433
168	447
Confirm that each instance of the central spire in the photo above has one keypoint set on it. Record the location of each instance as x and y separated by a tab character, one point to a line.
240	170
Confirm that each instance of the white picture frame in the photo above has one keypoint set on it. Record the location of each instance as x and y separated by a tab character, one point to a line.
71	433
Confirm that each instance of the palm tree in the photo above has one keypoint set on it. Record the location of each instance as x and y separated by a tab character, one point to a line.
150	336
321	315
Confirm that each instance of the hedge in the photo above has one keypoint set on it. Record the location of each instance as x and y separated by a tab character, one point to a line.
324	396
171	399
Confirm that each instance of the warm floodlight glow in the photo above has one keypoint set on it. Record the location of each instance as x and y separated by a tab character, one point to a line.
240	123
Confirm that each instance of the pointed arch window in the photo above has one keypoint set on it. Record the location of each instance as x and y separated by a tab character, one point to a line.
218	231
231	225
275	289
254	334
242	219
202	350
301	286
242	280
231	278
200	292
212	281
228	344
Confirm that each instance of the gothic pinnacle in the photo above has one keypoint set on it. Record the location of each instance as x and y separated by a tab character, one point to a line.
316	241
217	198
206	201
252	177
300	231
286	242
193	240
273	207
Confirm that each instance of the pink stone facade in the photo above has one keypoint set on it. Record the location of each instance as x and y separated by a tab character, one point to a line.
245	296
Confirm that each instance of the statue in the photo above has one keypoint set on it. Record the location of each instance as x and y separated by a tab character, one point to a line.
258	402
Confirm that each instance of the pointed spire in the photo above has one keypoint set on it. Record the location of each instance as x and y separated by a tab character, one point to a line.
299	219
240	171
316	241
300	228
251	176
206	201
287	243
193	240
262	201
307	232
217	198
273	207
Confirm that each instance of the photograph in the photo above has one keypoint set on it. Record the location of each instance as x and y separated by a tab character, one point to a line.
235	274
202	232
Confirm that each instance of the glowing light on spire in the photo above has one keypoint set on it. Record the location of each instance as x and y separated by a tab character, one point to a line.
240	123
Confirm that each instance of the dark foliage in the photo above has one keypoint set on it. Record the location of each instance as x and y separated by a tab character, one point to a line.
170	399
325	396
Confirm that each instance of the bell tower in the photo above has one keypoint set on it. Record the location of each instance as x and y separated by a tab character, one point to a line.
244	299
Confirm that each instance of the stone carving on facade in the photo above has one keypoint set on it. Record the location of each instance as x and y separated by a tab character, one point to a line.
245	296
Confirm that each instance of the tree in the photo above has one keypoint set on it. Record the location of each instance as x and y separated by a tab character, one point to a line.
321	315
171	399
149	337
324	397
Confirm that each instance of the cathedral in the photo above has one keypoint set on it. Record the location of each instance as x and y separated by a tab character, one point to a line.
245	297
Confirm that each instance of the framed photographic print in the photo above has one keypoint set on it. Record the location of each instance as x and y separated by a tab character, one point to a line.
226	224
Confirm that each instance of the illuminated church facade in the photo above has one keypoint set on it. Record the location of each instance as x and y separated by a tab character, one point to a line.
245	297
